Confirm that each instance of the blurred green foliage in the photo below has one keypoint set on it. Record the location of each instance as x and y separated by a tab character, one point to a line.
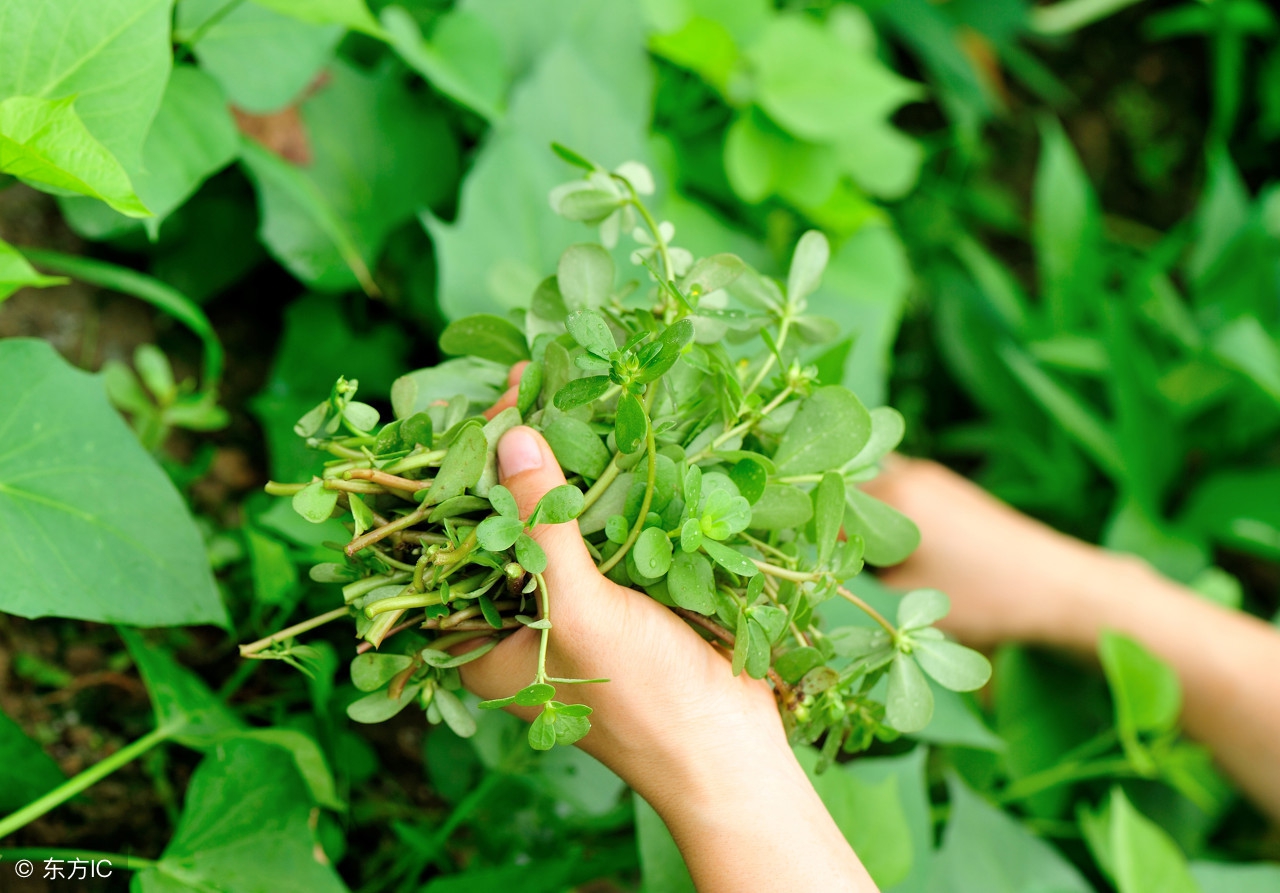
1056	241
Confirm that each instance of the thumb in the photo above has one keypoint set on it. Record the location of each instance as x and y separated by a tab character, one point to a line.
528	468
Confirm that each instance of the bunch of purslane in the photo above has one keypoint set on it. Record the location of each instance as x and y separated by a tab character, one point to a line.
707	467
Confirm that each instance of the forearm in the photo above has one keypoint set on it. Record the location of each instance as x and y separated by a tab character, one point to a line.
746	818
1228	662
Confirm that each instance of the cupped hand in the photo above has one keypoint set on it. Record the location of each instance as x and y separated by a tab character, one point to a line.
671	697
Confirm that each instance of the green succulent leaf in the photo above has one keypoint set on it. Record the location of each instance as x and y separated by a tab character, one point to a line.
503	502
781	507
589	329
909	702
535	694
530	388
631	425
454	713
530	555
462	467
952	665
578	449
497	533
559	504
828	514
691	582
922	607
379	706
542	732
581	391
652	552
487	336
730	559
830	428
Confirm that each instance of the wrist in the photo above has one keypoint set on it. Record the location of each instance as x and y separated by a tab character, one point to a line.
671	761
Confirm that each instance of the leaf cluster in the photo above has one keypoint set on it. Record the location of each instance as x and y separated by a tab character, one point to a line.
724	483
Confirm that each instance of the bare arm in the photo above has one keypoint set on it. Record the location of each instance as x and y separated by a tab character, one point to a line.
1015	579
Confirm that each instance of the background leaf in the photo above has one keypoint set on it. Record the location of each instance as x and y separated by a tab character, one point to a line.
261	58
328	220
192	138
16	273
463	58
112	57
70	523
246	826
661	865
27	770
986	851
585	87
45	143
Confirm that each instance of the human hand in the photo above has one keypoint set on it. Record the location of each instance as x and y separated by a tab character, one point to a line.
1009	576
672	702
705	748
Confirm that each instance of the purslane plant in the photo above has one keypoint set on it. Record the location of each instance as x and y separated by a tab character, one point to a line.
708	466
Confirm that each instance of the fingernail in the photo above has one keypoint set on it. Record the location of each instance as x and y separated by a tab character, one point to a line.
518	451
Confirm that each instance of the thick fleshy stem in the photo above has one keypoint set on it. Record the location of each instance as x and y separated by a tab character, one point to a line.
289	632
651	447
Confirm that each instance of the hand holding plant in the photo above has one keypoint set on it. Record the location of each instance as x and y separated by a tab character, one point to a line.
715	478
663	675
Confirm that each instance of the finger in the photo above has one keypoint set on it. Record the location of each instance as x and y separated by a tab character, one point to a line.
504	669
515	373
528	468
511	394
506	401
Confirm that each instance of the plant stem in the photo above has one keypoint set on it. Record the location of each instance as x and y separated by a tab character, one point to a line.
651	447
709	625
607	477
402	602
289	632
393	481
743	427
783	327
418	460
386	530
355	487
765	547
468	613
276	488
546	632
786	573
82	782
365	585
364	647
668	268
1065	773
42	854
344	452
189	40
799	479
392	563
243	672
456	558
869	611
